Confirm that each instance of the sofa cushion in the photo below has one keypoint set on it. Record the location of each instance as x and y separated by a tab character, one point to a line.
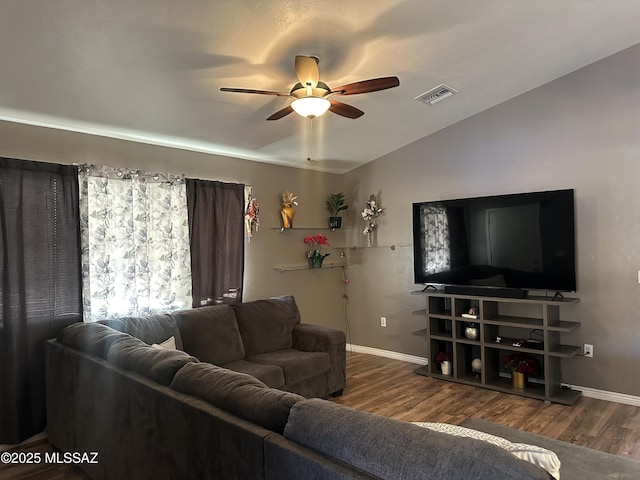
295	365
150	329
210	333
578	462
271	375
155	363
237	393
266	325
362	440
531	453
91	338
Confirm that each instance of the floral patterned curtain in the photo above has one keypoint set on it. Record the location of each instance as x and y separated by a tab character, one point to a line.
435	235
135	242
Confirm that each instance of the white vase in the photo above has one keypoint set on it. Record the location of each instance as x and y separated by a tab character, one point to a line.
446	367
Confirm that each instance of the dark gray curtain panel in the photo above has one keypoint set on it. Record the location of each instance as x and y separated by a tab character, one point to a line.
40	283
216	234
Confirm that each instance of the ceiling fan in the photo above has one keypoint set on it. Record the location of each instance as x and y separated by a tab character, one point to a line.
311	96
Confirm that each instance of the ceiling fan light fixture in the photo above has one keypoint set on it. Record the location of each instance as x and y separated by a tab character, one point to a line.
311	107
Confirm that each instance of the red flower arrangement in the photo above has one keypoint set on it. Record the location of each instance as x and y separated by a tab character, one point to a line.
313	255
443	357
314	241
522	364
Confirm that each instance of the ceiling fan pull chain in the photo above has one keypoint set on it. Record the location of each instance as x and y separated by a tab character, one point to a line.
309	127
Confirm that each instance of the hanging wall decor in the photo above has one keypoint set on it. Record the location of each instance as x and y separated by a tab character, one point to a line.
370	215
251	220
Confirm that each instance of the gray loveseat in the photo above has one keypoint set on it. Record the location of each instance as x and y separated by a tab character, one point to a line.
154	413
263	338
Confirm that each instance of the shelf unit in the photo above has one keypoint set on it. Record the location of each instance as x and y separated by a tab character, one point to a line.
445	331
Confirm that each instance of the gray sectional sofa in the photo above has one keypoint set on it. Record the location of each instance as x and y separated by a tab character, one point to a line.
155	413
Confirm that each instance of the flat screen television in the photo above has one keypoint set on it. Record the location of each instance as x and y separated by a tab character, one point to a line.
501	245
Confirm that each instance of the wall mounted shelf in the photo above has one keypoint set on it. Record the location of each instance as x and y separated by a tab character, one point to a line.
290	268
358	247
282	229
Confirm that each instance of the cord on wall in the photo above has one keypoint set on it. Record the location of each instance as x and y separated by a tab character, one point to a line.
345	297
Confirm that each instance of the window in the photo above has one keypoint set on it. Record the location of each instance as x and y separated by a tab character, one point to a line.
135	243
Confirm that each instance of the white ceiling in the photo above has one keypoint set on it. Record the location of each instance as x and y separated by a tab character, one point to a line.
151	70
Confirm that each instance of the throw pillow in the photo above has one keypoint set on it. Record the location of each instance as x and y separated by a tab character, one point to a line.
168	344
531	453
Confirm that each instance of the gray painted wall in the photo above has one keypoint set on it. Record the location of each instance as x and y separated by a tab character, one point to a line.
581	131
318	293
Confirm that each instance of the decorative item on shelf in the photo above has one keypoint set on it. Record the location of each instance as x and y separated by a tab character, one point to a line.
370	215
519	380
472	313
335	205
444	359
521	367
471	331
314	256
251	220
476	367
288	212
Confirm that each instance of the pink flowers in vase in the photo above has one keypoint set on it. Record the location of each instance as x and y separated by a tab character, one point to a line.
315	243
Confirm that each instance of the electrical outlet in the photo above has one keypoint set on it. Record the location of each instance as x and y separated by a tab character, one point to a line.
383	321
588	350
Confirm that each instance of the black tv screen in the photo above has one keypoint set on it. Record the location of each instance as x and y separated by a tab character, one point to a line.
521	241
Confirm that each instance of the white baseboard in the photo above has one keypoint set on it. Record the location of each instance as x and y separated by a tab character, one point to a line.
608	396
586	391
388	354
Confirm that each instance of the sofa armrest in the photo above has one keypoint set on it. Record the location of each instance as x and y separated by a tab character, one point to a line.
316	338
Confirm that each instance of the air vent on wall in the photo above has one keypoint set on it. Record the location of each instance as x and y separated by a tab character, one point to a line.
436	94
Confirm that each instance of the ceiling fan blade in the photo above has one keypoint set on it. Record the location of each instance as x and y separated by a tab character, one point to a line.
345	110
281	113
259	92
367	86
307	70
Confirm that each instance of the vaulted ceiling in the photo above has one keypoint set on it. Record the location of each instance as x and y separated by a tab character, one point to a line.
151	70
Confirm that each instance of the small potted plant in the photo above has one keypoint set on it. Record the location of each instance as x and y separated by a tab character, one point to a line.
444	359
335	205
